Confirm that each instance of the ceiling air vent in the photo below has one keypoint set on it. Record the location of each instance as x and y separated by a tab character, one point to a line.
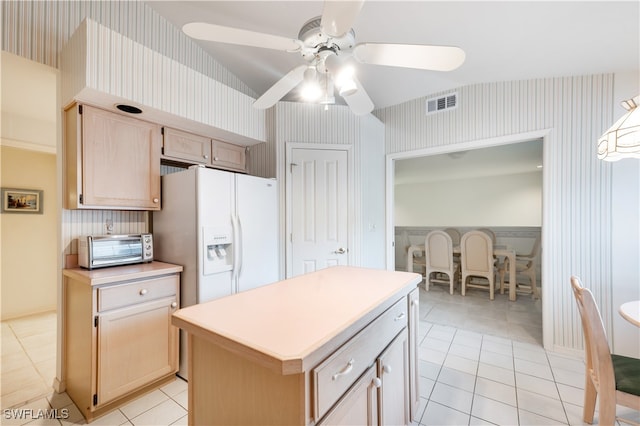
442	103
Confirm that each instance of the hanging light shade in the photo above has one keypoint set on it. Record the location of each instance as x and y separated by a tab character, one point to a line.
622	140
311	90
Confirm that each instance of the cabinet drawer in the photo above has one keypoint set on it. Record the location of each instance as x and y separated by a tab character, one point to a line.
118	296
338	372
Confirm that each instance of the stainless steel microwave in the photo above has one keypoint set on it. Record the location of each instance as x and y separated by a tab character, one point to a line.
99	251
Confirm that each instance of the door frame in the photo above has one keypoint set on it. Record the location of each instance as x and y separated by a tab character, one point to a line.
348	148
547	301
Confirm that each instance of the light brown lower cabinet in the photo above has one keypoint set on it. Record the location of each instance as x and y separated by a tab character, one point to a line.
381	394
393	371
119	340
414	376
360	405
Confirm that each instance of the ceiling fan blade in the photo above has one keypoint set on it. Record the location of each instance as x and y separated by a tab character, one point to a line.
360	102
436	58
338	16
212	32
281	88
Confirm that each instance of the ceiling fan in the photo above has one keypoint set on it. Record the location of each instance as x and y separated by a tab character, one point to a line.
327	43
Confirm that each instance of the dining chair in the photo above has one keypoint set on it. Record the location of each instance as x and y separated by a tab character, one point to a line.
526	265
439	260
454	234
490	233
415	260
476	258
614	378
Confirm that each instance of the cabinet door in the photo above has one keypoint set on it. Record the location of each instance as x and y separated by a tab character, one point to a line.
393	371
228	156
359	406
120	161
181	145
136	345
414	322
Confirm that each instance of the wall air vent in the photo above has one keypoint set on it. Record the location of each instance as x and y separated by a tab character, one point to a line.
442	103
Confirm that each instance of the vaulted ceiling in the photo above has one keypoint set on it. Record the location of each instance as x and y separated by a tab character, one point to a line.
503	40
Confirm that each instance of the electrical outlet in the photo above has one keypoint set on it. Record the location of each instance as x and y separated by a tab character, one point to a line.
108	224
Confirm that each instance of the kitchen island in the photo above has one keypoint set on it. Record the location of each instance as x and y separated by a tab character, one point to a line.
333	346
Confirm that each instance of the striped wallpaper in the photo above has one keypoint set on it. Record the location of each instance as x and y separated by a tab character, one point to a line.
576	194
102	67
38	30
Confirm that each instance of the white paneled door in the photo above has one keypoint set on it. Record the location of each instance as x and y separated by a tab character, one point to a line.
319	209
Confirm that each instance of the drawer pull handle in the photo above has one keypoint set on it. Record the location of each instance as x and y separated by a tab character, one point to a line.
174	305
400	317
143	292
346	370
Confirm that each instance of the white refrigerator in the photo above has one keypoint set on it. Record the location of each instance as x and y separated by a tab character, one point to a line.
222	227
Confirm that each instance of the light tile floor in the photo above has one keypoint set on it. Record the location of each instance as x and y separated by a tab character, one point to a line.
481	362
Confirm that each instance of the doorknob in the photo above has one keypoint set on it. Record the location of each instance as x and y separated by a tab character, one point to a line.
341	250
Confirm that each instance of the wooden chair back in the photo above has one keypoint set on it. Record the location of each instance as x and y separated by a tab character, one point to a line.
602	367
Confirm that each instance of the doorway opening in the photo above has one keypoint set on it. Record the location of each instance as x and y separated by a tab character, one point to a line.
496	183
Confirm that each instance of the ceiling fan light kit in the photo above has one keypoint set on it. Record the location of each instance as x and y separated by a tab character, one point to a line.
328	45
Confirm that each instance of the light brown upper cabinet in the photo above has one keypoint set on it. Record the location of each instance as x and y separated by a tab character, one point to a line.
183	146
228	156
112	161
190	148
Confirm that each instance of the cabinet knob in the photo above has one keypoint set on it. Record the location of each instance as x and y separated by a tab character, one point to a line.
386	369
377	382
174	305
155	200
205	156
143	292
215	158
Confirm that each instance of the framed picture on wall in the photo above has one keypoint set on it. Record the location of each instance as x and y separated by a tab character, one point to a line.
21	200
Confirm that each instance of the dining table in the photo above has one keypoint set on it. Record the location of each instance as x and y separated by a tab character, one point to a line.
417	250
631	312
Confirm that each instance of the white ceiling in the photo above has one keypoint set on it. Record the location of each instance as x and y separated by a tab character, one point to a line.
503	40
522	157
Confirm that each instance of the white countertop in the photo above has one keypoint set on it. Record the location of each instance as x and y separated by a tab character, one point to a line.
281	325
113	274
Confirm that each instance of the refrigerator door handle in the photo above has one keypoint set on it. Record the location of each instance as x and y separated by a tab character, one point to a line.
237	250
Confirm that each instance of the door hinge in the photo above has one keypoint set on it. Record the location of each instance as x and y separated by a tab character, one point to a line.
80	109
95	399
291	166
162	151
162	130
95	321
80	197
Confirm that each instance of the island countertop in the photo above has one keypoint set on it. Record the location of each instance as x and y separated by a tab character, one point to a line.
284	325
